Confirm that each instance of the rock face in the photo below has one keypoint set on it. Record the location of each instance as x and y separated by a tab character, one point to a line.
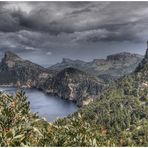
144	63
122	56
20	72
146	54
113	67
66	63
75	85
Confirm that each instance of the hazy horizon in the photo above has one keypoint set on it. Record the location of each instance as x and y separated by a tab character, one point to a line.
47	60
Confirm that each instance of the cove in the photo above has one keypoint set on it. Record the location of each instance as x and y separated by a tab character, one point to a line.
46	106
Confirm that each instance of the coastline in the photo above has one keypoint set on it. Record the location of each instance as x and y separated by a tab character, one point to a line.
39	89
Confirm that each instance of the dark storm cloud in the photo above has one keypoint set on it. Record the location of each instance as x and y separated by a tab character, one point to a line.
115	21
62	27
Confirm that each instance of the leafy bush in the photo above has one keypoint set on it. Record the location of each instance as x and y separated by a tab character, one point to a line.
18	126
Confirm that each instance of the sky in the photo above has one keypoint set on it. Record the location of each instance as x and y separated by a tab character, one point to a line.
46	32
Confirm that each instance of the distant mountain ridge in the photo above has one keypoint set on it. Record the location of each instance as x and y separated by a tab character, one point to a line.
123	56
113	67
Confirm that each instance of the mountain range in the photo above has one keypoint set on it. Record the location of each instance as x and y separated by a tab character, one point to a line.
79	81
111	68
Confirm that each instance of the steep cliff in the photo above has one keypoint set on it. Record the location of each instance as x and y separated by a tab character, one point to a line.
75	85
19	72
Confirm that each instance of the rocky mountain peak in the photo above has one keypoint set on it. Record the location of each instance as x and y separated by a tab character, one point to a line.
66	60
144	62
146	54
70	61
14	69
121	56
10	56
71	71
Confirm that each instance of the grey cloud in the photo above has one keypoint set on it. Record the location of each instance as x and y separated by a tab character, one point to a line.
121	19
50	25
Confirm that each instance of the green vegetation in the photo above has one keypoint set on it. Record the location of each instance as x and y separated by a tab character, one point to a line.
118	118
18	127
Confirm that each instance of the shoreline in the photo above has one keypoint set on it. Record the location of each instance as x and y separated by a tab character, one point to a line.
39	89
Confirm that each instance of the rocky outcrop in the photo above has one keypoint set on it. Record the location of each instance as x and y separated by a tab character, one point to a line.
19	72
144	63
66	63
146	54
123	56
75	85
